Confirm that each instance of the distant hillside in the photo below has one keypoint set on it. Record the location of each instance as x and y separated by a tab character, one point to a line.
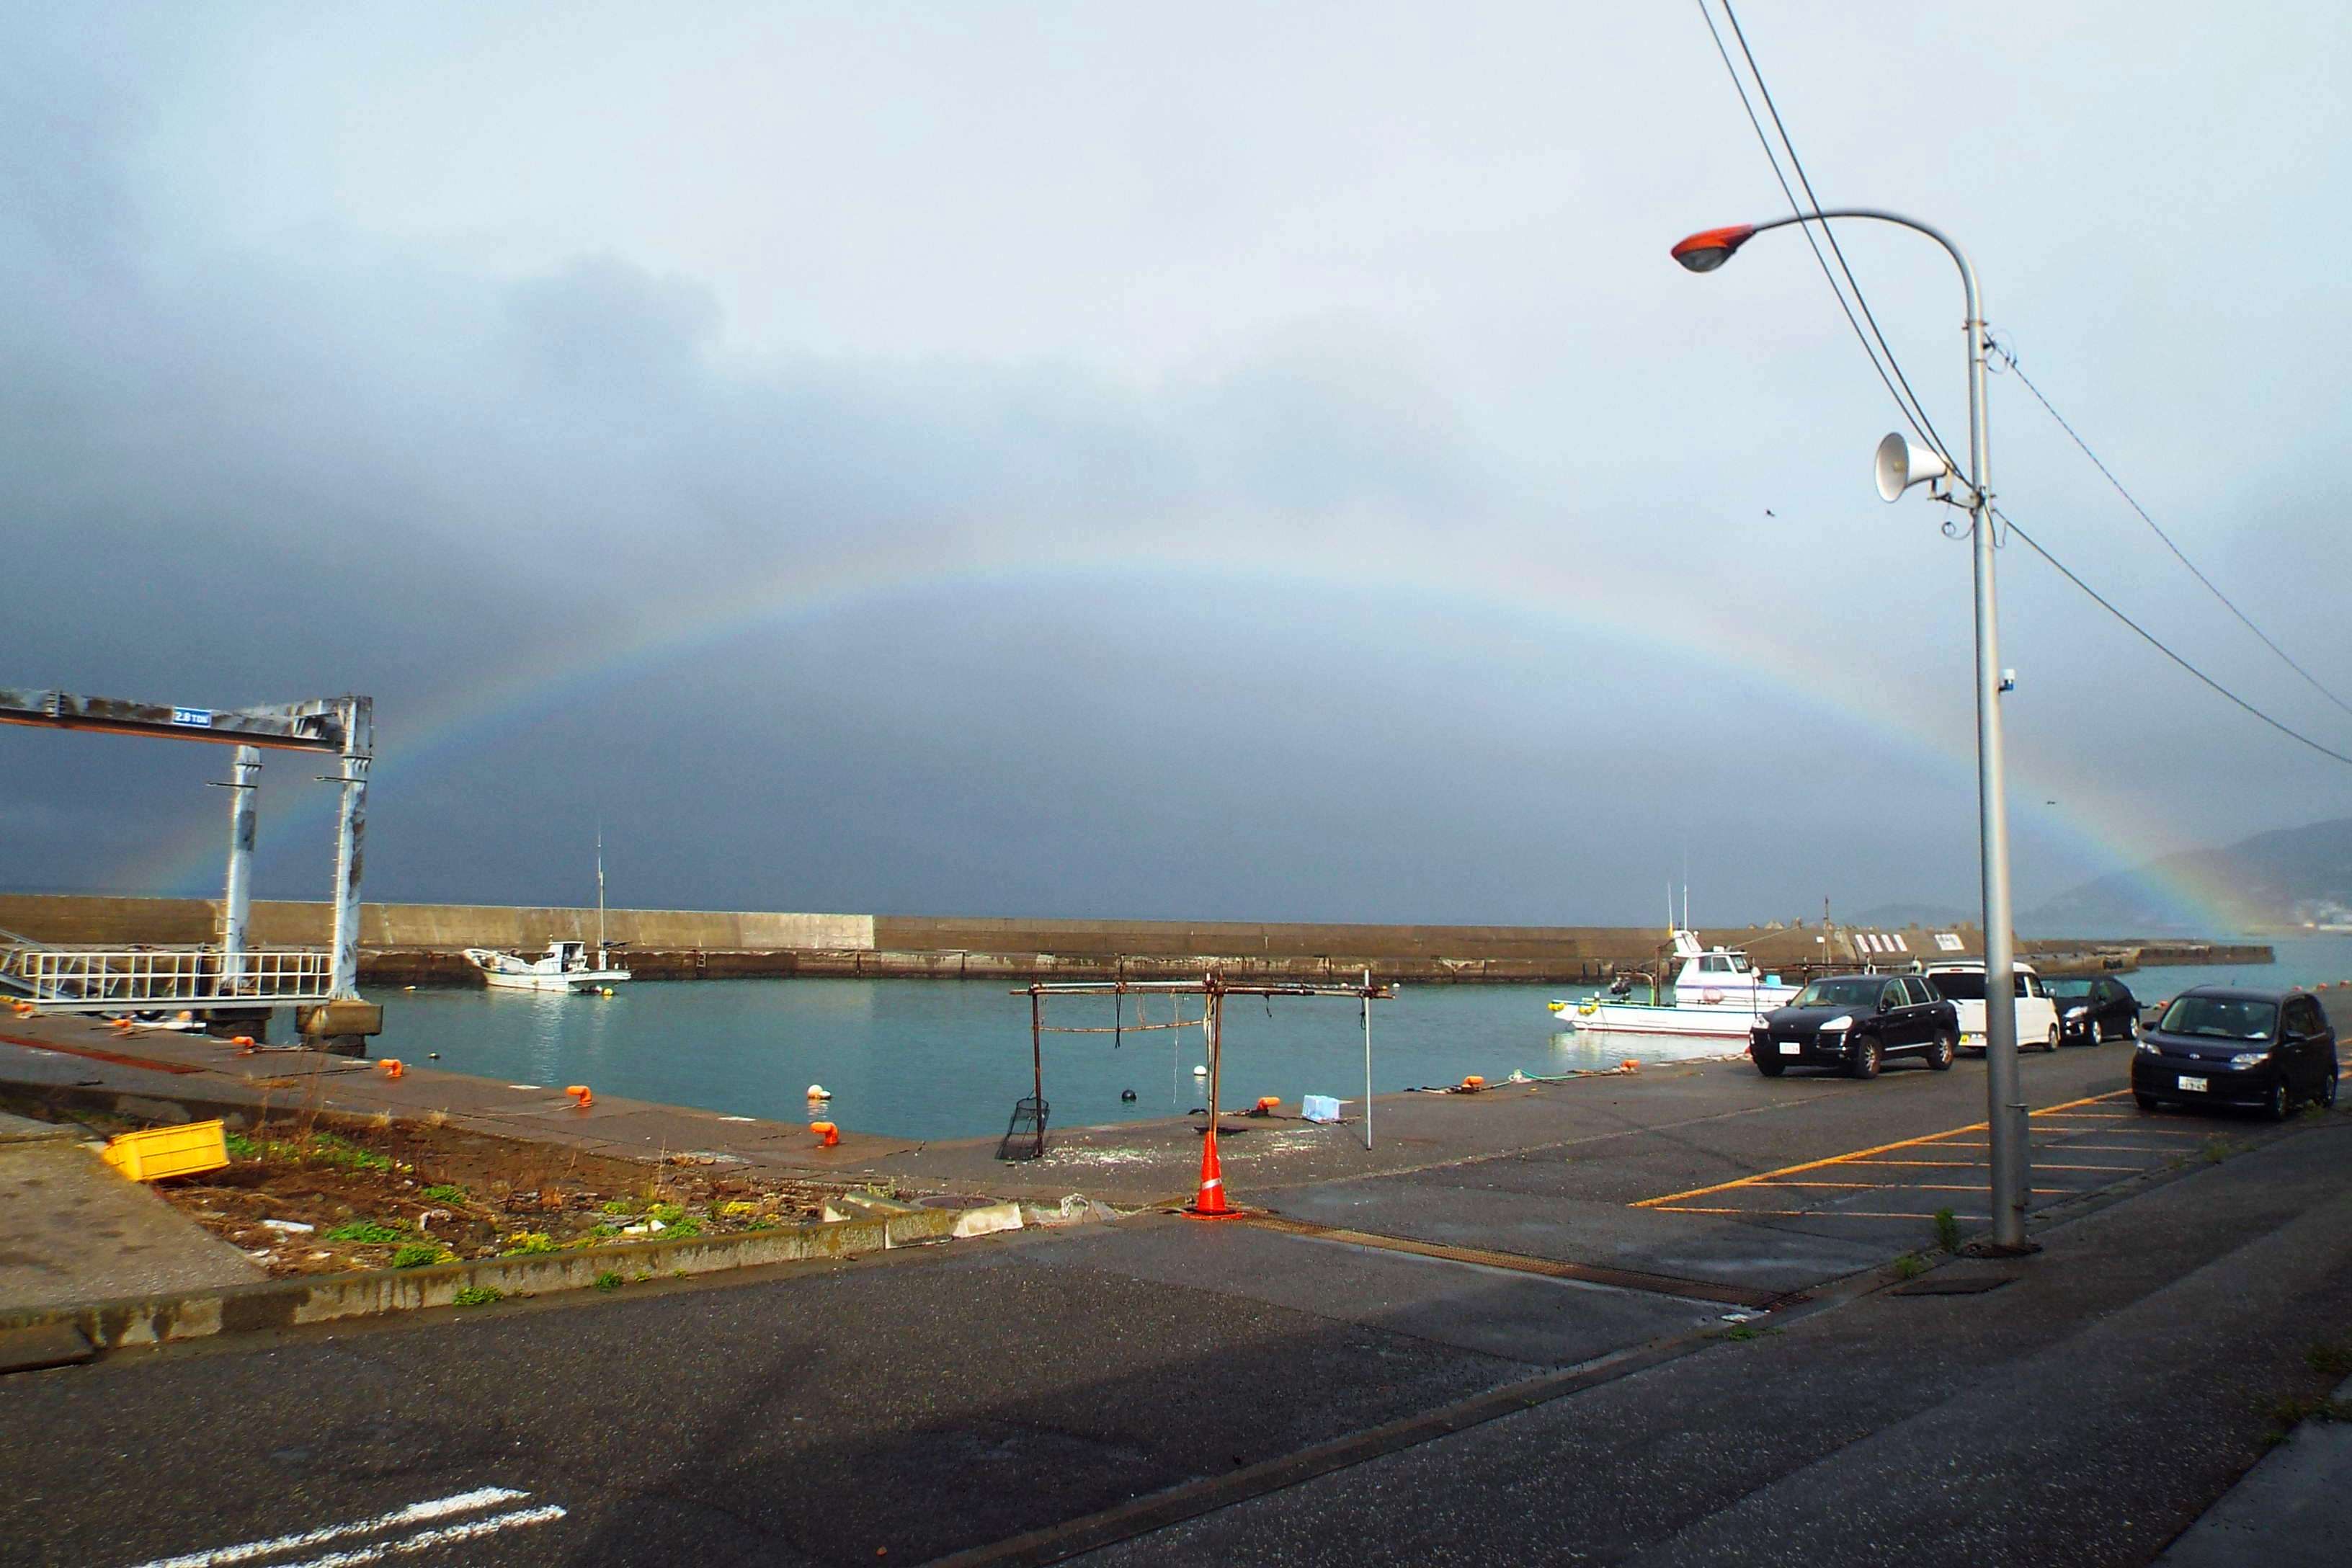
2268	882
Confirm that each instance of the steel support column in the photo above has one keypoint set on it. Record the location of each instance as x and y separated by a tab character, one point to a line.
237	894
350	833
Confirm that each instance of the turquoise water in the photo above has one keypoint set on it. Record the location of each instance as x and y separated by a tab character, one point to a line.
930	1058
933	1058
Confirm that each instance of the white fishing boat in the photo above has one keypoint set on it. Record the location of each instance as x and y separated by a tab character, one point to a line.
564	967
1716	991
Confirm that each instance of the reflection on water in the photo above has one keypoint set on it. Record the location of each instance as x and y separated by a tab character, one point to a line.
934	1059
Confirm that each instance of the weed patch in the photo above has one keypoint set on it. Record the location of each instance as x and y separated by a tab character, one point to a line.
366	1230
608	1281
1948	1230
2331	1358
525	1242
445	1193
1910	1266
422	1253
478	1296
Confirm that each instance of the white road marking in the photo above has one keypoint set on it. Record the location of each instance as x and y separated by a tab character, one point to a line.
414	1513
426	1540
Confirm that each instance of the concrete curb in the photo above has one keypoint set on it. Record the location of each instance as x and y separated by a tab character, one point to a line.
322	1299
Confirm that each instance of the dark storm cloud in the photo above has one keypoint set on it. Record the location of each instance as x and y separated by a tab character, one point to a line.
1412	554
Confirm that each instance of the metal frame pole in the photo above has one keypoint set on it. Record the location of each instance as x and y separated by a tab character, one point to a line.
1367	1004
237	893
351	851
2005	1104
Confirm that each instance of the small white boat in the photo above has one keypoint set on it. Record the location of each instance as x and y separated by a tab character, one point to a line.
1716	991
564	967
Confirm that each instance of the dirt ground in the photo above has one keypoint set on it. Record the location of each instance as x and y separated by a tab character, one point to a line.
305	1196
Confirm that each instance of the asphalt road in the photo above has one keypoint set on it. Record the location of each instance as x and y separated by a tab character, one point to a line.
950	1399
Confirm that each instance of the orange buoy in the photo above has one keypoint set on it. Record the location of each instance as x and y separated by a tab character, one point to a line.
391	1065
580	1096
1267	1104
827	1134
1473	1084
1629	1065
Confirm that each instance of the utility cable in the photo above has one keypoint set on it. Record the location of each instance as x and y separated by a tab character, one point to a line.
2153	641
2011	366
1924	425
1918	421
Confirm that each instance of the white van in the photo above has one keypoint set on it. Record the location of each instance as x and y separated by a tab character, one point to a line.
1963	985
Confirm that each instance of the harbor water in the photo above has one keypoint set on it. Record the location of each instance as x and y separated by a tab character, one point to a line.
931	1059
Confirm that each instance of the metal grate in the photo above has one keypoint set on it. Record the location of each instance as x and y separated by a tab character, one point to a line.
1025	1138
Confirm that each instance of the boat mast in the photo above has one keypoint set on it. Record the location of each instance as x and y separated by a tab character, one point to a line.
600	894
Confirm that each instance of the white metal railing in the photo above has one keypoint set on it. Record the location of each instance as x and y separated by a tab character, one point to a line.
110	979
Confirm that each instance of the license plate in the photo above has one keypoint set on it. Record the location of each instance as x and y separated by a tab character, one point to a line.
1790	1047
2194	1085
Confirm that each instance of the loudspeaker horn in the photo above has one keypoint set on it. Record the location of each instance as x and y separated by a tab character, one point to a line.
1903	462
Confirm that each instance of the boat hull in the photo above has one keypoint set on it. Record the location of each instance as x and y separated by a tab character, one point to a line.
1645	1018
587	980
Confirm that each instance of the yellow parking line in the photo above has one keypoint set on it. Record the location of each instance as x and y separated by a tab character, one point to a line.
1857	1156
2071	1148
1814	1213
1979	1165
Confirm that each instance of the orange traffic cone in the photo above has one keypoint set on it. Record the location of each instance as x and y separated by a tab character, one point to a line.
1210	1203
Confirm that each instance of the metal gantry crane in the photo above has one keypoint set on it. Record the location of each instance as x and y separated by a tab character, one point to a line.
235	976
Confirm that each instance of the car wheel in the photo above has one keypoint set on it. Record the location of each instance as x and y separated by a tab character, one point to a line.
2327	1090
2050	1043
2148	1102
1867	1057
1769	1067
2279	1103
1941	1050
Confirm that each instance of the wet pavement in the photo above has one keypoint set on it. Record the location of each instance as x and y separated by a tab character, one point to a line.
1511	1332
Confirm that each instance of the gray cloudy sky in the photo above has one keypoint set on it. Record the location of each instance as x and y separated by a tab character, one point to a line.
1212	460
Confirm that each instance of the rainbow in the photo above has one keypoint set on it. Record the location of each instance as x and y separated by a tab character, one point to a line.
2100	825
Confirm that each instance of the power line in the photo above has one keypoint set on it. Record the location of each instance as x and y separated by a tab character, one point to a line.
2009	360
1921	424
1829	234
1915	420
2156	643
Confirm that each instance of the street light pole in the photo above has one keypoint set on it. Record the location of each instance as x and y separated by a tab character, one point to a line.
2005	1105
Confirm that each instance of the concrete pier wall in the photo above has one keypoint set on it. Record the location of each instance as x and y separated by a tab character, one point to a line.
420	943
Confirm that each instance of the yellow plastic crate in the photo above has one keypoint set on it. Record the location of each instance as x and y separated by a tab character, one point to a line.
161	1152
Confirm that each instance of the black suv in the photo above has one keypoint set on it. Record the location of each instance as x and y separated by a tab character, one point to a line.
2228	1045
2092	1009
1857	1022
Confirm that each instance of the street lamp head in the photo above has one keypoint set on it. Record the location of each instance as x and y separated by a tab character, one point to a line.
1711	247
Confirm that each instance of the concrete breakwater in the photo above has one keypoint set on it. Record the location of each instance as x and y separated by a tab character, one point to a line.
411	944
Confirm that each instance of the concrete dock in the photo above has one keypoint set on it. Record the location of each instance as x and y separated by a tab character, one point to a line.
423	943
1691	1316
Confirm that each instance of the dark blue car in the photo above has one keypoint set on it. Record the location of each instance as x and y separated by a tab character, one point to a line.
2228	1045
